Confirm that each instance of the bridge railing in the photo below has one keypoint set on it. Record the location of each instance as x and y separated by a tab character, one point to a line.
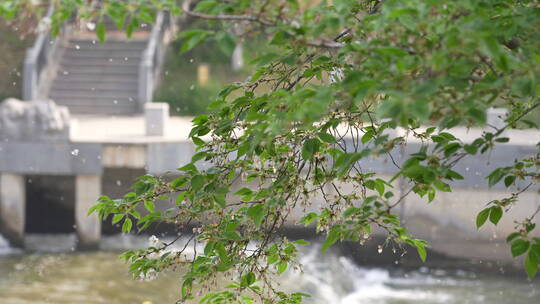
40	59
153	56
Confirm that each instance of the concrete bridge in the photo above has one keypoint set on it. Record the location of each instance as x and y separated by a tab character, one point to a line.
115	133
103	155
78	135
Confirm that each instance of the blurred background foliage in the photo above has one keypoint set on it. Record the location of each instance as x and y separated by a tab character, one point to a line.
12	51
179	85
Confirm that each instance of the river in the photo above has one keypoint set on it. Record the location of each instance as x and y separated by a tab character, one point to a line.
55	274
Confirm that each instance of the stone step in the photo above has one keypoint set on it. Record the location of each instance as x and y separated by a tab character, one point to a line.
98	69
66	84
106	96
101	109
97	74
81	45
109	60
96	103
82	54
95	78
103	60
121	102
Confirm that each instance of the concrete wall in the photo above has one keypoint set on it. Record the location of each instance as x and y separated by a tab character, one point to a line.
12	208
110	168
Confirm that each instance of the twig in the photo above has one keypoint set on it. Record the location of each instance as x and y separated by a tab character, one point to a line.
531	108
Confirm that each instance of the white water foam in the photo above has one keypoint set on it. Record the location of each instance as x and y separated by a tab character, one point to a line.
5	248
337	280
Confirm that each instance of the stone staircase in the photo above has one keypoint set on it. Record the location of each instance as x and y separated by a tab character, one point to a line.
116	77
98	78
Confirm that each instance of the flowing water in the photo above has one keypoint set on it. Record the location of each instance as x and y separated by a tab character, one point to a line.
54	274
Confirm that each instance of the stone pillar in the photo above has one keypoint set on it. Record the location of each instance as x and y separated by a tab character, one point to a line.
88	227
12	208
237	58
156	116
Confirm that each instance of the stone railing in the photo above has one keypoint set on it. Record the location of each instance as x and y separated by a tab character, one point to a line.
40	59
153	56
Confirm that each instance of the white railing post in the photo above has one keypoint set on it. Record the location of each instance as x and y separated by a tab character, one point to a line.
148	65
156	115
145	82
33	68
29	76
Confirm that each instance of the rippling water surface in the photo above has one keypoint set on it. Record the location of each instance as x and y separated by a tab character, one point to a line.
100	277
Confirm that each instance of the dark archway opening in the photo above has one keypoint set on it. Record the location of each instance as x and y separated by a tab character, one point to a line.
50	202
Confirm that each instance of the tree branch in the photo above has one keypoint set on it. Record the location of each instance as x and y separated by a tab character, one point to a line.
531	108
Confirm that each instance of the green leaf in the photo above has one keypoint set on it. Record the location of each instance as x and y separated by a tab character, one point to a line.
205	5
454	175
226	42
282	266
220	199
135	214
309	218
311	146
188	168
247	279
379	186
471	149
495	176
509	180
535	252
346	160
181	197
257	214
150	206
451	148
420	247
232	235
272	258
333	236
192	38
186	287
126	227
93	209
479	116
367	136
495	214
197	141
482	217
134	23
197	182
100	31
117	218
512	236
442	186
244	191
301	242
326	137
519	247
531	266
198	156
